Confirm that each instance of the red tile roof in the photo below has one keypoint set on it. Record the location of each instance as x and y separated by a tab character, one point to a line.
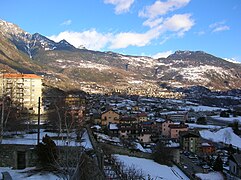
27	76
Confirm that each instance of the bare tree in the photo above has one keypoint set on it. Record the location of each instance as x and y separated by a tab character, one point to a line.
73	162
127	172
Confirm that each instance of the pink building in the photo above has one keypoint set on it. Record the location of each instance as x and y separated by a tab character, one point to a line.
174	130
165	128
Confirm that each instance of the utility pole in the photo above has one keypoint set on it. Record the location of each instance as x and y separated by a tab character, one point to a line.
38	120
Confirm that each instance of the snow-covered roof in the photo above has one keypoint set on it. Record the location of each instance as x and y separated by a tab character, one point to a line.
113	126
225	135
31	139
206	144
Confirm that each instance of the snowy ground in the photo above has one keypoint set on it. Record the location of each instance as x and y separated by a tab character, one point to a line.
155	170
225	135
201	108
200	126
31	139
210	176
19	174
227	119
105	138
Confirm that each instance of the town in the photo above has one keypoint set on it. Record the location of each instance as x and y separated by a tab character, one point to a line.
79	134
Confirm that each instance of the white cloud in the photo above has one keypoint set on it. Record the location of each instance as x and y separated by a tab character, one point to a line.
162	8
164	54
121	6
179	23
91	39
216	24
66	22
219	26
123	40
153	22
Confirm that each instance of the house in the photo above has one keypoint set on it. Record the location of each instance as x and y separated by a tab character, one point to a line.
235	165
135	108
147	129
179	117
129	127
26	89
75	100
207	148
176	116
75	108
175	129
128	120
189	141
142	117
165	127
113	129
108	117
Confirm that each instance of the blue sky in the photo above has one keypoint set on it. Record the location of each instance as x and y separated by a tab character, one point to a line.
135	27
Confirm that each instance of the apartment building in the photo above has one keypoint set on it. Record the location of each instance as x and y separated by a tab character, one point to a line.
24	89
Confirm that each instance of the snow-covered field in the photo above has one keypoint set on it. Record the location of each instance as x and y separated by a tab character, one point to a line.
210	176
227	119
105	138
151	168
31	139
19	174
225	135
200	126
202	108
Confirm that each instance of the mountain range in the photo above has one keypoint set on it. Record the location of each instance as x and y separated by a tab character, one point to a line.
66	67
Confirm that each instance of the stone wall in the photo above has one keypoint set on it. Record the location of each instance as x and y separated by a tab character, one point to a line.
8	155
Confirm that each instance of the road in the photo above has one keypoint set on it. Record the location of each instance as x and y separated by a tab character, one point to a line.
190	167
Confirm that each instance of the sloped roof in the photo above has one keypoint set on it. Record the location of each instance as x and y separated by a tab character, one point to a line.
27	76
177	126
188	134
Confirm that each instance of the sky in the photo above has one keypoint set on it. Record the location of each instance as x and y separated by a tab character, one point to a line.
155	28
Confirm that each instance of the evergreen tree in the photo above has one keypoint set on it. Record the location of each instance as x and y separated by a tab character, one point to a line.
218	164
47	152
162	154
201	120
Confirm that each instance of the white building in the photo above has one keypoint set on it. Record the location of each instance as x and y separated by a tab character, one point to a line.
24	89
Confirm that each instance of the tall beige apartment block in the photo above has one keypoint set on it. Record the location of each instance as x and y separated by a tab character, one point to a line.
24	89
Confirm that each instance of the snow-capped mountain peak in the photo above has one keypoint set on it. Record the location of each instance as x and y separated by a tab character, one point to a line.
10	28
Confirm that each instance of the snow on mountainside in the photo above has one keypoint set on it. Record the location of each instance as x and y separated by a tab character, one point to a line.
30	43
140	61
180	69
10	28
232	60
